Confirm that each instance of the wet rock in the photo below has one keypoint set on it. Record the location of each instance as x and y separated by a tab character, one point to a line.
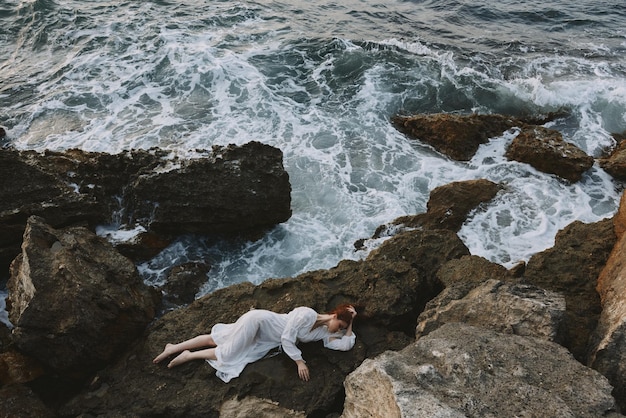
449	205
546	151
457	136
184	282
464	371
32	190
230	190
507	308
608	342
615	163
234	190
75	302
393	283
571	267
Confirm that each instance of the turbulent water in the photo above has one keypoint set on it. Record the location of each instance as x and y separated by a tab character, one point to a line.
320	80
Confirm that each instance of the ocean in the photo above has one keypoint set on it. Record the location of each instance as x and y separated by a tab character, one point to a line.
320	80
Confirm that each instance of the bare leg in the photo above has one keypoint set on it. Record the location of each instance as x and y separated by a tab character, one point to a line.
196	342
185	356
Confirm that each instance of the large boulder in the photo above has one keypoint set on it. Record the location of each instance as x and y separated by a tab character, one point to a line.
465	371
232	190
547	151
507	308
608	343
393	283
571	267
74	301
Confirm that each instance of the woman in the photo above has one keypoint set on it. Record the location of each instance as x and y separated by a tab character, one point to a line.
256	332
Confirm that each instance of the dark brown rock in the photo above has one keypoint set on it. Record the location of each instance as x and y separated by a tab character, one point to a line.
28	189
457	136
230	190
234	190
21	401
184	282
449	205
571	268
615	163
75	302
393	283
545	150
16	367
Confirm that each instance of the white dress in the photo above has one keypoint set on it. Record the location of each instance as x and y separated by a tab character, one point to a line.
258	331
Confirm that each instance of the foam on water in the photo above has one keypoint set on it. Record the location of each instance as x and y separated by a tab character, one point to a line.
124	77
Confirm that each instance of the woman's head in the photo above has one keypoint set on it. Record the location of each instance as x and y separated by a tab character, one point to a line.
344	312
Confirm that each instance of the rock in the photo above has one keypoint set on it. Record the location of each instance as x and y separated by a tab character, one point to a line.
231	190
465	371
608	343
546	151
34	191
507	308
15	367
619	219
234	190
21	401
571	267
615	163
257	408
449	205
393	283
184	282
75	302
457	136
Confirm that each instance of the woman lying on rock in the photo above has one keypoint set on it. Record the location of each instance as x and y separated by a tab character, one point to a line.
258	331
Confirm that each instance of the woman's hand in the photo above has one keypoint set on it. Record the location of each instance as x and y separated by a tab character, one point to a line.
352	311
303	370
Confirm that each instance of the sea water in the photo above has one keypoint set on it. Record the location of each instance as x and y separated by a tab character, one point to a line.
320	80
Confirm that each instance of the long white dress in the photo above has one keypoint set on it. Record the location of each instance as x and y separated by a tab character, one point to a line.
258	331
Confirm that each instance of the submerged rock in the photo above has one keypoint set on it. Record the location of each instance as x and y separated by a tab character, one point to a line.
465	371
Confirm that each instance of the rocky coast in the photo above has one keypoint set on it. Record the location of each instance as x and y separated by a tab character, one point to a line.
444	332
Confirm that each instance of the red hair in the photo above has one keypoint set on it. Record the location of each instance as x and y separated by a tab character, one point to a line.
343	312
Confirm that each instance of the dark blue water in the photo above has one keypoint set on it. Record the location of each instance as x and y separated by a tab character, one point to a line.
320	80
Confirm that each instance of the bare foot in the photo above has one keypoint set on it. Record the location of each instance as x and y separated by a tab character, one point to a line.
167	351
180	359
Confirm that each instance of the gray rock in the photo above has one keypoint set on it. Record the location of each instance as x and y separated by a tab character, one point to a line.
465	371
508	308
